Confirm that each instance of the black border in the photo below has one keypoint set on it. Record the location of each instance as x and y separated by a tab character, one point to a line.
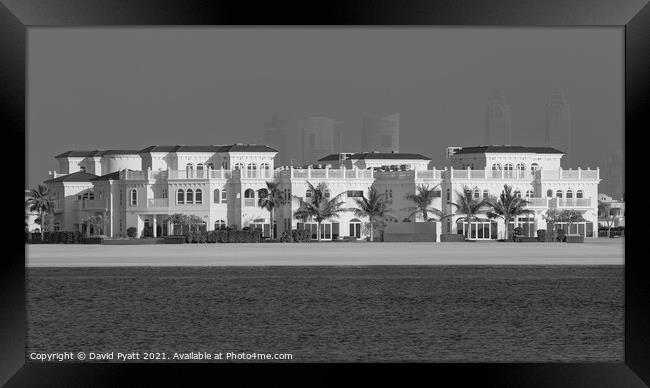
634	15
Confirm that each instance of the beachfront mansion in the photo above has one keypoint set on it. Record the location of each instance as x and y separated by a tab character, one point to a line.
221	183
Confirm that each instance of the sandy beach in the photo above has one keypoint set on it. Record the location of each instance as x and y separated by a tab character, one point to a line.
592	252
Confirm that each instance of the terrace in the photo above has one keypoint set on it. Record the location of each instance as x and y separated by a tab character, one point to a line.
524	175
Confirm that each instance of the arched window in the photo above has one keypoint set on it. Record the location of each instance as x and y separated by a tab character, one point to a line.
210	166
249	197
521	170
189	170
529	193
534	167
189	197
569	194
549	193
198	196
252	170
215	196
486	194
508	173
517	194
496	170
219	224
308	193
133	197
264	166
477	194
579	194
239	166
224	196
558	193
199	170
180	197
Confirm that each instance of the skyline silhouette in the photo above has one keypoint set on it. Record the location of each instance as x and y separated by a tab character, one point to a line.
106	88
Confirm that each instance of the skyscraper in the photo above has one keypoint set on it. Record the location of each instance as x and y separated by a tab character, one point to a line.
380	134
498	129
276	135
558	125
320	137
613	182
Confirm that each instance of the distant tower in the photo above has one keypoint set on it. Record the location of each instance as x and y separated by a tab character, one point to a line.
498	129
380	134
613	181
558	125
276	135
320	137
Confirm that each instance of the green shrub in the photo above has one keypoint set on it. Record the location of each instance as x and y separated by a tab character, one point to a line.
132	232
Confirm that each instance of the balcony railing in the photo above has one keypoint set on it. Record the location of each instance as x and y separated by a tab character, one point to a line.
428	174
93	203
570	202
492	174
157	202
537	202
560	174
200	174
330	173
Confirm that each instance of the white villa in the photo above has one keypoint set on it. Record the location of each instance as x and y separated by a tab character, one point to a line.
220	184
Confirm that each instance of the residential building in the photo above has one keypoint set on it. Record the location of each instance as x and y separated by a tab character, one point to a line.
617	211
221	183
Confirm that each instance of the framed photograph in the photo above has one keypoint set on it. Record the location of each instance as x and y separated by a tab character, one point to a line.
439	185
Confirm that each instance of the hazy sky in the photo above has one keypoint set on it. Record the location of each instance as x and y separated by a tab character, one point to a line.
127	88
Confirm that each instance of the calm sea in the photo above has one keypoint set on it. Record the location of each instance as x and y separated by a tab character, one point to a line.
428	313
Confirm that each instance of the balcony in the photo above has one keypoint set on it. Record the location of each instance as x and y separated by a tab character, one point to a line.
157	203
569	202
93	204
525	175
537	202
199	174
329	173
573	175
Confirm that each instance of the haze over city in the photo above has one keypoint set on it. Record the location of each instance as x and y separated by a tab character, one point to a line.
107	88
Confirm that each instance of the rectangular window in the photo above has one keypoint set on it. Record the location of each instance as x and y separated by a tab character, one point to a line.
355	193
224	196
164	193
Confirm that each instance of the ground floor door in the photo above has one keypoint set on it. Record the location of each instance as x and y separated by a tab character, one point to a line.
355	229
478	230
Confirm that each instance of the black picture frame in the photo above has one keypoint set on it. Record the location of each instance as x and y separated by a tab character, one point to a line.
17	16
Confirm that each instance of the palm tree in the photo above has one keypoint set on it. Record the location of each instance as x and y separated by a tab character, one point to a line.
270	199
469	207
571	216
319	208
39	201
507	206
423	200
374	207
606	213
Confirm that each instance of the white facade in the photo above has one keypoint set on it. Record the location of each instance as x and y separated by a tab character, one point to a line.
220	185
